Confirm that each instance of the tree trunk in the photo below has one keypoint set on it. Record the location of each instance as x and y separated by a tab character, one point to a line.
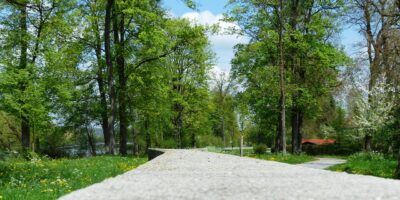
278	138
135	145
241	144
25	126
372	57
110	74
368	143
102	91
104	115
223	129
397	172
297	121
297	79
119	40
91	140
193	140
281	135
232	135
148	137
178	122
25	129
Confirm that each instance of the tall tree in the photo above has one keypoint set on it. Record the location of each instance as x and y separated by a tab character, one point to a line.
188	66
377	21
110	75
93	10
23	97
281	134
119	40
25	127
305	29
222	90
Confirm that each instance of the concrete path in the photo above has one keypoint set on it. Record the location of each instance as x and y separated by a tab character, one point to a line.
322	163
191	174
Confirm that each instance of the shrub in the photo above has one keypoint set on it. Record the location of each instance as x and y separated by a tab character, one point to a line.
331	149
260	148
6	155
169	144
368	163
367	156
209	140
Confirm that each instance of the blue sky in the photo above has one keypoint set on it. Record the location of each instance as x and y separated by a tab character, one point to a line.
210	11
179	8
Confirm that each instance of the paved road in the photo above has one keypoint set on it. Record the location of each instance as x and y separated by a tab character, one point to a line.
322	163
191	174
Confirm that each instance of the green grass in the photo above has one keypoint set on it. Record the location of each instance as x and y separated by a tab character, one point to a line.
50	179
333	156
288	158
368	164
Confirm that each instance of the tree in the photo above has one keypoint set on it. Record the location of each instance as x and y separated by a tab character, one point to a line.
243	118
299	33
93	11
378	22
281	134
188	66
110	76
272	13
25	85
374	112
223	101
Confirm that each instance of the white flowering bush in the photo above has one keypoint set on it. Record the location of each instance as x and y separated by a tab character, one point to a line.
374	108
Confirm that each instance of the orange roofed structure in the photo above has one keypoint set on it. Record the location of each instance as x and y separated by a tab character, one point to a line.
318	141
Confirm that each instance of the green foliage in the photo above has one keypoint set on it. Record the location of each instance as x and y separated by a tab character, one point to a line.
43	178
9	127
288	158
311	59
209	140
260	149
332	149
375	164
190	3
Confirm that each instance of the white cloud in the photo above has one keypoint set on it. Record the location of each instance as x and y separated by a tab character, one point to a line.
217	71
222	42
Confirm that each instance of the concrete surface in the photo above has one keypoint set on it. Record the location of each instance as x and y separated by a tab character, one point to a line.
191	174
322	163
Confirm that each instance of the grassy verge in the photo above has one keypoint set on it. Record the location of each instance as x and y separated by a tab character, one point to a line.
332	156
49	179
368	164
288	158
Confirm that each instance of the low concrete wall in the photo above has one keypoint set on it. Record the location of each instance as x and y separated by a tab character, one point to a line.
154	152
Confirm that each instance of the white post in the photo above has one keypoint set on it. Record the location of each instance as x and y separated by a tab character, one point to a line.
241	145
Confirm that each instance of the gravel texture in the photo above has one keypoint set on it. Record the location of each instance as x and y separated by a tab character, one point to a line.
322	163
192	174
